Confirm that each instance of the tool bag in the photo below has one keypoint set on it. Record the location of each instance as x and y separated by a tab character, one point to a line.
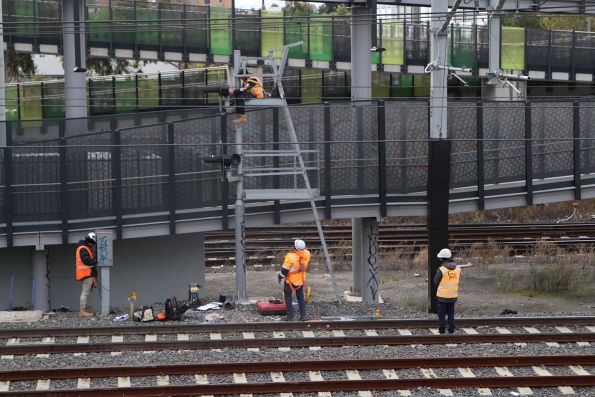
143	314
174	310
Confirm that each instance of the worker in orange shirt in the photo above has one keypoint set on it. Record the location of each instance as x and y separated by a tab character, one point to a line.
293	272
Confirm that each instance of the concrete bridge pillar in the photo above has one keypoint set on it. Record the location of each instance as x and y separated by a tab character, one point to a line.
75	82
365	259
41	291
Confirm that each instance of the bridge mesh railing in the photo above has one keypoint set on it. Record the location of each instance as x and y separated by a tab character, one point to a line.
58	170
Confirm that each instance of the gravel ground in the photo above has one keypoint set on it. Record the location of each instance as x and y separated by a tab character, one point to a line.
398	304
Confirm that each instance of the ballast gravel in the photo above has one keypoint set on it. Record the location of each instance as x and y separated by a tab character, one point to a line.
317	310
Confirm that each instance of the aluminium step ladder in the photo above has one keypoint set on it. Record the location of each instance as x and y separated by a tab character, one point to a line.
297	167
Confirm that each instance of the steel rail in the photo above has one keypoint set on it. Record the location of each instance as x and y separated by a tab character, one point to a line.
25	349
326	385
295	366
134	329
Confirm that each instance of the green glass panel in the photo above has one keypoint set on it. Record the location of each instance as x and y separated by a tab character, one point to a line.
421	85
197	27
513	48
49	15
99	28
12	110
31	102
311	85
124	22
296	29
321	39
401	85
101	99
25	18
148	93
171	25
221	31
463	47
247	33
125	95
334	85
171	90
53	100
271	31
392	42
147	29
193	82
380	85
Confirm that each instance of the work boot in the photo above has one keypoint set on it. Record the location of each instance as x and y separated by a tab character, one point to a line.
83	313
240	119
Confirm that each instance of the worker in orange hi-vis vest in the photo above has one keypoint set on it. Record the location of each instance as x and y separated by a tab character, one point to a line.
447	280
294	271
251	88
86	271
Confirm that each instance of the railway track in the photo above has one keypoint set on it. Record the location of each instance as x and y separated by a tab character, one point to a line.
263	244
378	375
302	335
315	342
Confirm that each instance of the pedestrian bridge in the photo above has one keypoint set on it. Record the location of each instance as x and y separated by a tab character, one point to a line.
319	68
144	175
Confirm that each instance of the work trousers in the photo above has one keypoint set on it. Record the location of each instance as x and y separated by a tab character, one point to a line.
86	292
299	294
444	309
240	97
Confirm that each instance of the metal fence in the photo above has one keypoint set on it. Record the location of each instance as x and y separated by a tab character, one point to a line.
210	30
378	150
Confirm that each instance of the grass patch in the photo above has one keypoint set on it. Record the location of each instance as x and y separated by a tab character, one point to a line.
564	280
417	303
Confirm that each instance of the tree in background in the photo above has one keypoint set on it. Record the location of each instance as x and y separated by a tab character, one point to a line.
546	22
18	65
298	8
334	9
106	66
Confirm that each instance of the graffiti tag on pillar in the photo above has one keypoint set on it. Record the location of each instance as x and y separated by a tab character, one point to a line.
104	250
243	244
373	265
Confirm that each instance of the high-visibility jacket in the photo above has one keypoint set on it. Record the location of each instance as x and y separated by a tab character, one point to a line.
296	262
449	285
254	87
82	269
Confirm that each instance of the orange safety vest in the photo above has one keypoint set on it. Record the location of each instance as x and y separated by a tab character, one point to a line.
297	262
449	285
257	90
82	270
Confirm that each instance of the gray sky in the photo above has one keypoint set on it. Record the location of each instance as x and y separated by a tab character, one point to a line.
248	4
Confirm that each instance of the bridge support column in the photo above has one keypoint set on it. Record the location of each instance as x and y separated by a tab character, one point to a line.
41	290
366	259
361	42
75	82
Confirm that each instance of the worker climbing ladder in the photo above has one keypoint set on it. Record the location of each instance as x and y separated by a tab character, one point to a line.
293	156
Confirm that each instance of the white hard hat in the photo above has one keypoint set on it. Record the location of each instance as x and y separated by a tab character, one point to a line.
91	237
444	253
299	244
